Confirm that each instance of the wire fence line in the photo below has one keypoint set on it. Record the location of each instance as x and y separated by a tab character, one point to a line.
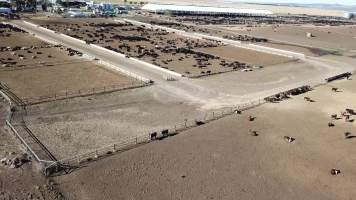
81	159
83	92
122	71
128	143
24	143
63	165
34	65
11	115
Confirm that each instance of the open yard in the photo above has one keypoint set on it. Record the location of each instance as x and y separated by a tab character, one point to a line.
190	57
224	160
248	56
63	80
255	33
36	71
81	125
289	149
75	126
330	38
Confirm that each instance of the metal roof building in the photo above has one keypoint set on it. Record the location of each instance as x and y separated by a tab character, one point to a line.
203	10
350	15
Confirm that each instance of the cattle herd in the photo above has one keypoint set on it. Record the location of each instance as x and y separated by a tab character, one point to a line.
153	45
179	26
251	21
6	29
195	29
16	56
293	92
245	38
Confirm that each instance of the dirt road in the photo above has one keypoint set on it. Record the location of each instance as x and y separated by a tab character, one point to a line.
222	160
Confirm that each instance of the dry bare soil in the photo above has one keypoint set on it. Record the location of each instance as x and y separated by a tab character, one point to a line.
39	70
24	183
222	160
167	50
59	80
81	125
247	56
334	38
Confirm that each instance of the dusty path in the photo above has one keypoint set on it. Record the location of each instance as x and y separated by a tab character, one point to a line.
84	124
190	90
222	160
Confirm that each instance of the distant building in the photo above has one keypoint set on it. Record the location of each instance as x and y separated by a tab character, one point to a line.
350	15
203	10
5	7
5	10
72	3
76	13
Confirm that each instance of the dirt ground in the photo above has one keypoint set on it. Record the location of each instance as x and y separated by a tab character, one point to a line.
80	125
83	77
222	160
333	38
247	56
155	46
219	160
308	51
250	21
21	39
216	30
26	183
44	55
7	142
35	70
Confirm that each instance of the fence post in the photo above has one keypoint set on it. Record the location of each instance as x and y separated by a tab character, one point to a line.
114	147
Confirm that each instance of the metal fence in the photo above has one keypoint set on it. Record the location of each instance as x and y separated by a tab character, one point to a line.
78	160
128	143
83	92
24	143
16	116
125	144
